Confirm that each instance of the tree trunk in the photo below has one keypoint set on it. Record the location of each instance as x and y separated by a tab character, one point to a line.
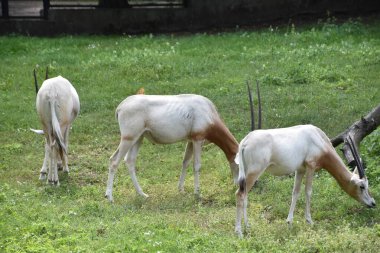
357	131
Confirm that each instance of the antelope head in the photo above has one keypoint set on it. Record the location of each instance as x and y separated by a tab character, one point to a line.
359	180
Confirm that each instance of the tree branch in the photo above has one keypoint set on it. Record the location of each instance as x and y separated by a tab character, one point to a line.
357	131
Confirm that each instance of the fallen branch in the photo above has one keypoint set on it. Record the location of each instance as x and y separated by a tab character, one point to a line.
358	131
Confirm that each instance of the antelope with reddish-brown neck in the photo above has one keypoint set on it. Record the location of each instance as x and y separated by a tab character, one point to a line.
301	149
166	120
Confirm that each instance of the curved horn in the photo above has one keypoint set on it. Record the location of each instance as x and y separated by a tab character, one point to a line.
259	101
47	72
251	107
35	80
356	156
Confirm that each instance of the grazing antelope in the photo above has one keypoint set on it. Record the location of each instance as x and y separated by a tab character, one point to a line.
166	120
301	149
57	106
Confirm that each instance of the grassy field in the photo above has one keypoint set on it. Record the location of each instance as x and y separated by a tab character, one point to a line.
326	74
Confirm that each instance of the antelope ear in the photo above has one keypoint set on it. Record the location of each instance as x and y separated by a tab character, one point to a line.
355	178
356	175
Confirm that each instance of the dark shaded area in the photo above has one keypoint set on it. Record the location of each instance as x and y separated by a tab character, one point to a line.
113	3
119	17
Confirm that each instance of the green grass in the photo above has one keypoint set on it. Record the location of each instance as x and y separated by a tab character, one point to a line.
326	74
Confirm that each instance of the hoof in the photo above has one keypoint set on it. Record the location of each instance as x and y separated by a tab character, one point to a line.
144	195
53	182
290	222
65	169
239	233
42	176
197	196
109	197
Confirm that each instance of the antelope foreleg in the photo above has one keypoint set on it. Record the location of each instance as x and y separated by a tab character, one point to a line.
197	147
308	192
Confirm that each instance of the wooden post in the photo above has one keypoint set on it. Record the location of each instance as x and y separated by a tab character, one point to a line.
5	8
46	6
186	3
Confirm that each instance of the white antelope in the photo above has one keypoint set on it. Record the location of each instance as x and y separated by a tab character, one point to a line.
301	149
57	106
165	120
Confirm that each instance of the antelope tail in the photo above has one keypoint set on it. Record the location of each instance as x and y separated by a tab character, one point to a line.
37	131
242	166
57	134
